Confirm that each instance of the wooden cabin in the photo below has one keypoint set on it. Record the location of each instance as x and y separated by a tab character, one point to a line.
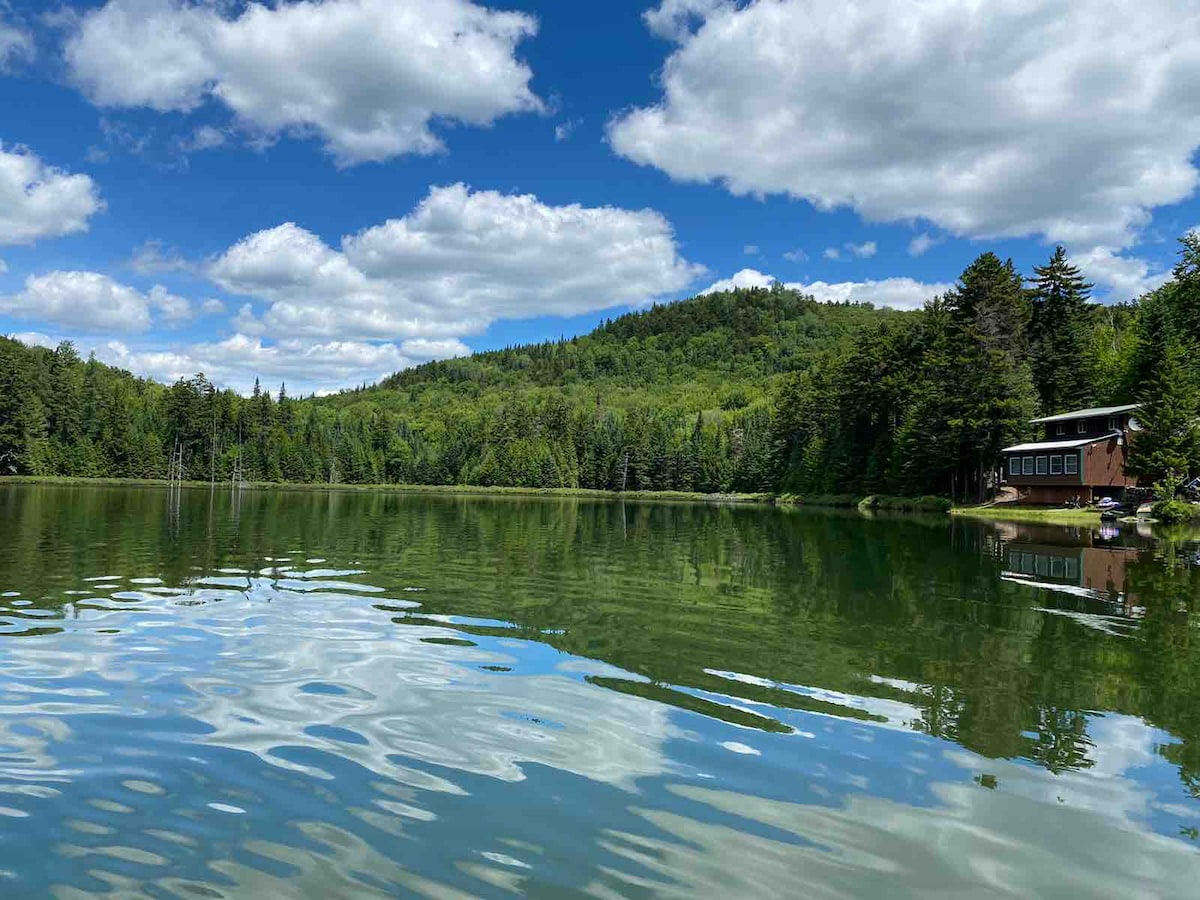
1080	454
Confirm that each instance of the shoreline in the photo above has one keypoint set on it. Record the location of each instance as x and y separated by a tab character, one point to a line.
1047	515
1042	515
451	489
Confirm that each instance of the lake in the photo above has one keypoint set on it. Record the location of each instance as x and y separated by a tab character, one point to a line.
324	694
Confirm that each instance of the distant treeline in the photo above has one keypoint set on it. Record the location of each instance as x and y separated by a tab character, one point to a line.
751	390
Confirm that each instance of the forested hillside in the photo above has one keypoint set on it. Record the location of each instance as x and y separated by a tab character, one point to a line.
750	390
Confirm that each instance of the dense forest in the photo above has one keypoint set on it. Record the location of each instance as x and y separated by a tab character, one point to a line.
762	390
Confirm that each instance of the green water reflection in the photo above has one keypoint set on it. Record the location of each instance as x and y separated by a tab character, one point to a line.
335	694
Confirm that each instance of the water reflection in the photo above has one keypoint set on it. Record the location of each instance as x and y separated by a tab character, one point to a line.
336	695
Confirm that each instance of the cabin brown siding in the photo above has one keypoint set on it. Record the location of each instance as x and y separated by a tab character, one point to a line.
1104	465
1051	494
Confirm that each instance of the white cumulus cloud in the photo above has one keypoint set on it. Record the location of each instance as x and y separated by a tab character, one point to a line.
1067	119
85	300
674	19
15	45
424	348
1119	277
365	76
922	243
746	278
40	201
174	309
236	362
454	264
94	302
898	293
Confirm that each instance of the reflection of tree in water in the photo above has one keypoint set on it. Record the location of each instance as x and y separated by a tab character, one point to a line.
676	592
1167	664
1062	742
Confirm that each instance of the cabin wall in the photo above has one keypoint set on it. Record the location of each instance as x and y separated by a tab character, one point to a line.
1052	494
1096	426
1104	465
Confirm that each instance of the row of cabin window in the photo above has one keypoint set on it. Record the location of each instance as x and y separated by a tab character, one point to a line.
1037	564
1081	427
1044	465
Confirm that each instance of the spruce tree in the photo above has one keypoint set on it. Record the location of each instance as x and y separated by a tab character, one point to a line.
1155	334
1170	418
1059	335
1185	298
991	388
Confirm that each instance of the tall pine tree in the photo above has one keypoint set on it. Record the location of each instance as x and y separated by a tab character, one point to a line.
992	385
1059	335
1170	441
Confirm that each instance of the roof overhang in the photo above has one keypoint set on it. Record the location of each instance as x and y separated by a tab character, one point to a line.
1060	445
1087	413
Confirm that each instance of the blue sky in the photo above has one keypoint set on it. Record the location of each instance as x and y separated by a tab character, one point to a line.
325	192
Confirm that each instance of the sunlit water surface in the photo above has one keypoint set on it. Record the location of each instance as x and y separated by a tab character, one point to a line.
351	695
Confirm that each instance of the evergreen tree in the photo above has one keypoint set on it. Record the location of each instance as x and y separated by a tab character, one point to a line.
749	389
990	381
1155	334
1060	334
1170	417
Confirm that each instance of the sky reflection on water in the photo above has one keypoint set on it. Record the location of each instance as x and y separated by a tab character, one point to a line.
311	695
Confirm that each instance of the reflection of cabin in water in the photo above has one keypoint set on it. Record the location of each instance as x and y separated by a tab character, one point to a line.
1090	573
1100	569
1081	454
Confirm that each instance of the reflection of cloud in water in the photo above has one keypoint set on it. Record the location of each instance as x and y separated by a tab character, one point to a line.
307	680
975	842
402	696
391	692
885	713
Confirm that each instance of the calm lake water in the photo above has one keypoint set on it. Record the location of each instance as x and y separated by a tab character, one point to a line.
351	695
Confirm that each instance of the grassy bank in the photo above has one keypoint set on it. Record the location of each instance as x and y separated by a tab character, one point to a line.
460	489
1009	513
875	502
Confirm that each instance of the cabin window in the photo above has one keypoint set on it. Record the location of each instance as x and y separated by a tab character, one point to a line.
1060	428
1058	567
1014	465
1071	464
1072	568
1114	423
1043	465
1081	426
1027	465
1056	465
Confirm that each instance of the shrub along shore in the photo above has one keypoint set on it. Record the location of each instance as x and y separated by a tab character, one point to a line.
875	503
461	489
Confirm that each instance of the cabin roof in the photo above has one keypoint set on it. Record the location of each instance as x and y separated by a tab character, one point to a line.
1060	445
1087	413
